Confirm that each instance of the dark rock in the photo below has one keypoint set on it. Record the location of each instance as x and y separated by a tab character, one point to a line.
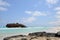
7	38
51	34
48	39
57	34
37	34
42	34
15	25
24	39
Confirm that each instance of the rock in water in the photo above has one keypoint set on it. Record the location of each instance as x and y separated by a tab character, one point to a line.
15	25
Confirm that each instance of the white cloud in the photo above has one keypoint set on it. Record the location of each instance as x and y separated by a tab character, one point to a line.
3	9
28	20
57	8
33	17
52	1
55	23
36	13
58	12
58	16
28	12
4	3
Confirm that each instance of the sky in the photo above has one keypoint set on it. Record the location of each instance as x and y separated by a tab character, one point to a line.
32	13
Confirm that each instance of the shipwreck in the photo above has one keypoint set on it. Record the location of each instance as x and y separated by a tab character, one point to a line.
15	25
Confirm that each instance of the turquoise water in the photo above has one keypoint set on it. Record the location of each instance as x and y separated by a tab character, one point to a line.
28	27
22	30
5	31
25	30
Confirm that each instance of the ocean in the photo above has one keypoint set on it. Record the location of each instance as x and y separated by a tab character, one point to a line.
5	32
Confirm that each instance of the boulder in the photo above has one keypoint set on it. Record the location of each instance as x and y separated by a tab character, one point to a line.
24	39
37	34
58	34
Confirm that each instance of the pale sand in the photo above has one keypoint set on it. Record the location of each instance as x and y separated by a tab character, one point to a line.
8	35
37	38
45	38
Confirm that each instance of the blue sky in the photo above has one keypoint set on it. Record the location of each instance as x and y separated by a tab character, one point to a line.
30	12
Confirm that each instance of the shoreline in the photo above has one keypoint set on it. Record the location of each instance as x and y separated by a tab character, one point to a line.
35	36
17	31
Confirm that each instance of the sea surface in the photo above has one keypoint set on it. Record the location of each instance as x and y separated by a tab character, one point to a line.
7	32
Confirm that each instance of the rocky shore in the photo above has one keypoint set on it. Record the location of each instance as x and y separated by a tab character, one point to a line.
36	36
